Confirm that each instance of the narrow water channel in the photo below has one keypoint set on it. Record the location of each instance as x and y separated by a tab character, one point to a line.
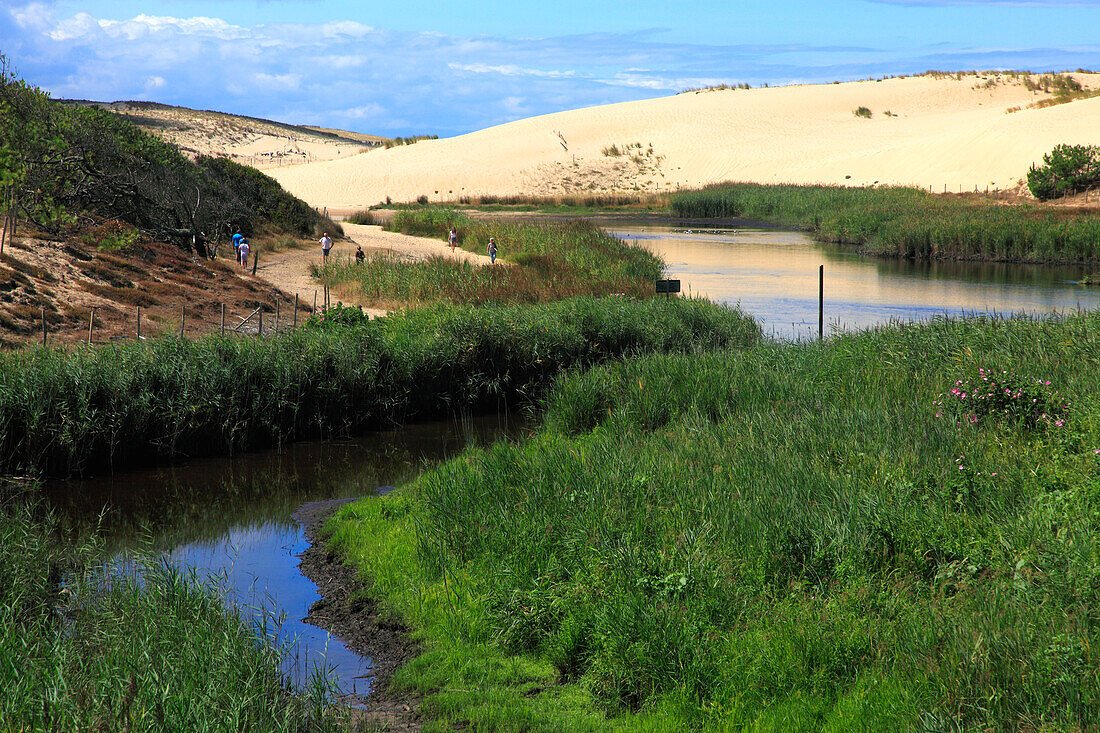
230	520
773	275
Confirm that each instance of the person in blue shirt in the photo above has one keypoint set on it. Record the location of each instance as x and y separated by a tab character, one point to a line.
237	239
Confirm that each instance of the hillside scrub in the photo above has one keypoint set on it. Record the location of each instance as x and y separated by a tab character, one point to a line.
549	261
66	412
103	651
898	221
60	164
795	537
1067	169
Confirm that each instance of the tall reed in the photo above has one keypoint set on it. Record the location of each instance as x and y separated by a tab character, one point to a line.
795	537
65	412
907	222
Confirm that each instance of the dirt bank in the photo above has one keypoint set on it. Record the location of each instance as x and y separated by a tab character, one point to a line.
347	611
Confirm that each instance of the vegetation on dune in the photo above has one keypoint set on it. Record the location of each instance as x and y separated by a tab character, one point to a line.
86	646
65	412
61	164
1068	169
550	261
794	537
906	222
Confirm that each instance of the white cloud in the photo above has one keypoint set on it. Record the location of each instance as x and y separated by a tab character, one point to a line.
281	82
35	16
145	25
512	70
78	26
154	82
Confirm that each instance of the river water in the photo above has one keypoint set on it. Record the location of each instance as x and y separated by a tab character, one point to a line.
229	519
773	275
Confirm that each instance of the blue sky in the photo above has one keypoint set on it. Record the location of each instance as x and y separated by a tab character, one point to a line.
416	66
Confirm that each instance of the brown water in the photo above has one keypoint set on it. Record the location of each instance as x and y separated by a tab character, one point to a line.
230	520
773	275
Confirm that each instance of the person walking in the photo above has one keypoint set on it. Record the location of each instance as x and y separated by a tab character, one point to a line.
452	238
237	238
492	249
326	245
242	253
359	256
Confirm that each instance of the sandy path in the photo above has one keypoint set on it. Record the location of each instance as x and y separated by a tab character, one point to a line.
289	270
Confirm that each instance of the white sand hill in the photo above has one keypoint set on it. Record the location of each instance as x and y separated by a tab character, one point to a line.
958	133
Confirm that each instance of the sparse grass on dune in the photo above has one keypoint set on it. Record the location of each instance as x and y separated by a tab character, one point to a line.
547	261
785	538
906	222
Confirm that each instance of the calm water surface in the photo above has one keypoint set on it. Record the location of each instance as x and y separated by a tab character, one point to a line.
230	519
773	275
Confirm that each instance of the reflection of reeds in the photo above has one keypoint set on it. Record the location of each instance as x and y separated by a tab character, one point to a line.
105	651
907	222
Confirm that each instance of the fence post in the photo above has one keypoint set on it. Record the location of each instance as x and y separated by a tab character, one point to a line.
139	322
43	325
820	302
91	323
277	304
295	310
315	302
261	314
223	319
255	261
183	319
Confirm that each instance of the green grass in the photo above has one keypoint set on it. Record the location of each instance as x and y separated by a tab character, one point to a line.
104	652
907	222
549	261
784	538
64	412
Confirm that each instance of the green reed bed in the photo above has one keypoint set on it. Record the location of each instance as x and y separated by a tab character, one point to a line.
539	262
64	412
794	537
104	652
907	222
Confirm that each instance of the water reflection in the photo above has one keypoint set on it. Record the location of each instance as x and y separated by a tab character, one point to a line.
230	519
773	275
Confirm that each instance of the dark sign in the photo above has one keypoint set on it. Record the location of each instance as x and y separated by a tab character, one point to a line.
668	286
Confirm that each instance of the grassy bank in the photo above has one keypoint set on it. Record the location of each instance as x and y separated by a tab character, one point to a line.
103	652
64	412
907	222
547	261
795	537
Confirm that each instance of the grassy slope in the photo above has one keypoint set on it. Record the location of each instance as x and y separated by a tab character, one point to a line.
551	261
787	538
907	222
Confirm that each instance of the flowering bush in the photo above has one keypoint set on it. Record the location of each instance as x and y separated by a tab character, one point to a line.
1004	396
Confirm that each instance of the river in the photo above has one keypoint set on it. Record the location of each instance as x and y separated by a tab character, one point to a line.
773	275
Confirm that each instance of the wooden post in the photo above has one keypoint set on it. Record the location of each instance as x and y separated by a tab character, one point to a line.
223	319
183	320
255	261
820	302
277	304
139	322
315	301
43	325
296	310
261	314
91	323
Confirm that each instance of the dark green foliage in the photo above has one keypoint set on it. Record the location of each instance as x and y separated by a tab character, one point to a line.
905	222
1067	169
862	112
61	161
90	409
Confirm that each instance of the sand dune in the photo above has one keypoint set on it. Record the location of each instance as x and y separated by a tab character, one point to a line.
941	132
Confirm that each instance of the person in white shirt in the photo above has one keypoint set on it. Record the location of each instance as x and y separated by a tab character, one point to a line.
326	245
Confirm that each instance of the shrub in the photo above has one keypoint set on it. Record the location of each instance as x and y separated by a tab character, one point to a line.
862	112
1067	168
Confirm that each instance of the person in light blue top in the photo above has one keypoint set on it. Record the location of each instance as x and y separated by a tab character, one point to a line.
237	239
492	249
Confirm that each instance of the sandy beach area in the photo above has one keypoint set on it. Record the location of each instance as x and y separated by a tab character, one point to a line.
940	132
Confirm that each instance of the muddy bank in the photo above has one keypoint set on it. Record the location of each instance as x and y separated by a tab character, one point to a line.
347	610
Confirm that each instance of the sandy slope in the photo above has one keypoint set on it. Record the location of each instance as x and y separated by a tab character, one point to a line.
947	131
